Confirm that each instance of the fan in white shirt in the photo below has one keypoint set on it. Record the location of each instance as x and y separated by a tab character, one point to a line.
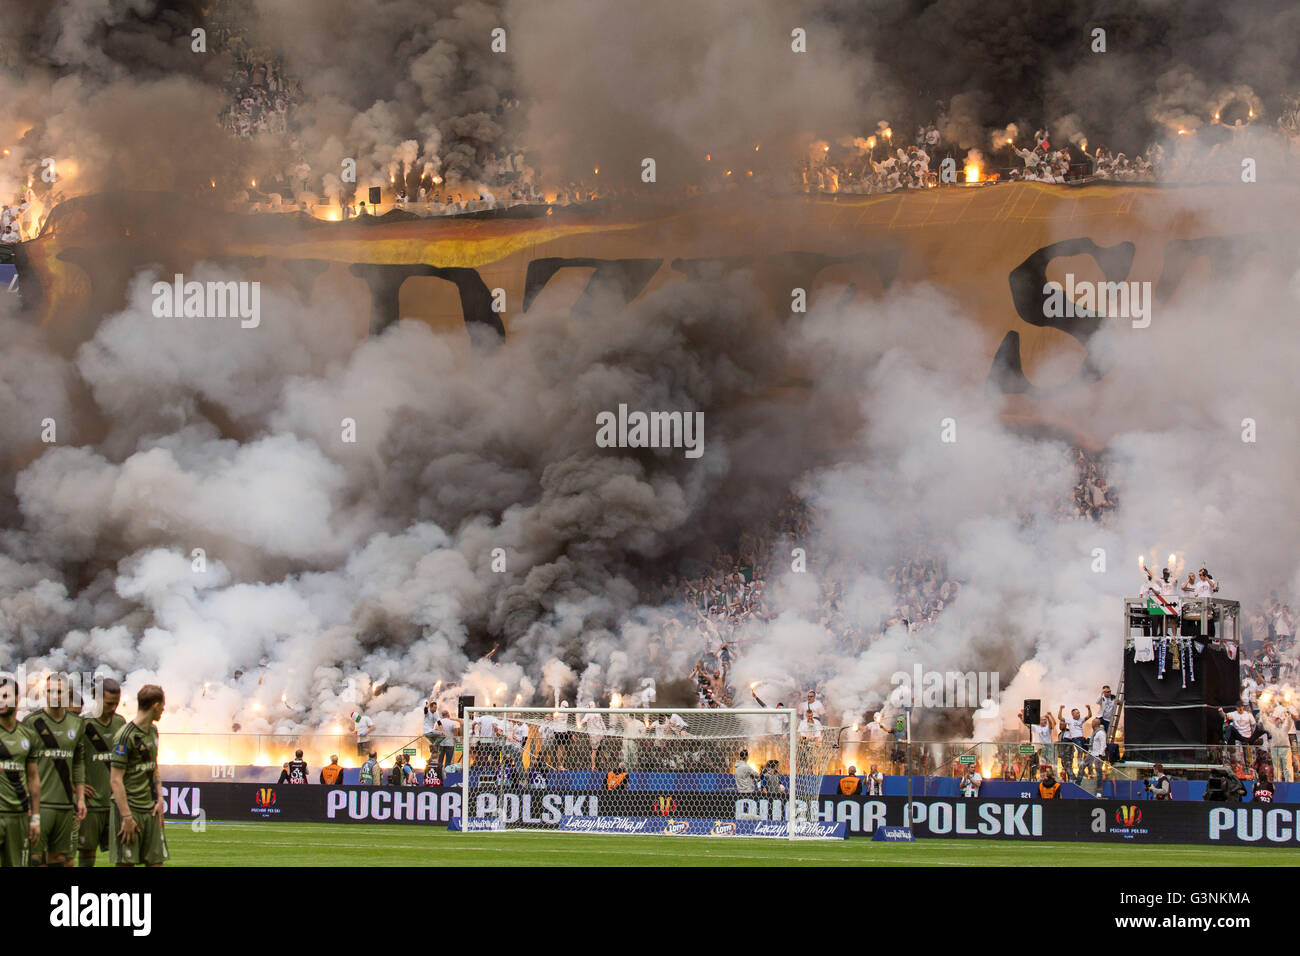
1074	723
813	704
594	727
364	726
1243	724
1098	739
1205	585
559	719
669	725
810	728
877	732
487	727
1096	750
873	784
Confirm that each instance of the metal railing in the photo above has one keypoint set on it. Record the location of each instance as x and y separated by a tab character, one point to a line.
928	758
998	760
1213	618
1201	758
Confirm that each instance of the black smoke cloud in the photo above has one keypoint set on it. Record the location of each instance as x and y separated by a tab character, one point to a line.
1033	64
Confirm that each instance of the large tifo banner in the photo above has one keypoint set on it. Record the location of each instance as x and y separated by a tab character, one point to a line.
1101	821
992	250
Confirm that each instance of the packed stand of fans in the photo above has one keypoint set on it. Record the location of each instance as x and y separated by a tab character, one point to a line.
260	98
729	592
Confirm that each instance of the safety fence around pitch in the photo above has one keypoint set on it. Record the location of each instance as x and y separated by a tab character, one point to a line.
1098	821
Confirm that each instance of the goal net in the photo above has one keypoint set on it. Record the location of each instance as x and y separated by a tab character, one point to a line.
716	772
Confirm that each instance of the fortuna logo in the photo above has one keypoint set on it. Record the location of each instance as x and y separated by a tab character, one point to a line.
665	806
265	797
77	909
1129	816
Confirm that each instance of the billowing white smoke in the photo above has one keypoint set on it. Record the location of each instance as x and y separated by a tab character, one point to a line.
336	576
277	578
1036	607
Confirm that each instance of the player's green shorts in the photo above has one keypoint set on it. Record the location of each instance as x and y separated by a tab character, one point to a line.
93	833
58	833
13	839
149	846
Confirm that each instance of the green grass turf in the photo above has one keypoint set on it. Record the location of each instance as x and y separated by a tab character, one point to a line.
324	844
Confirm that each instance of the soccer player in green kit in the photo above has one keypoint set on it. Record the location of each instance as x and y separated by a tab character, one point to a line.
61	761
20	803
101	732
138	804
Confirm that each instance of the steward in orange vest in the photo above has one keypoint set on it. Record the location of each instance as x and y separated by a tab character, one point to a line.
1048	787
331	774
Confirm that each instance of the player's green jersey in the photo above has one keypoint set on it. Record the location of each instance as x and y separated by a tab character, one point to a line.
60	757
99	750
19	749
136	752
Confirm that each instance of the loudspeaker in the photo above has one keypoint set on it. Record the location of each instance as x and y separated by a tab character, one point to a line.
1033	712
374	195
461	704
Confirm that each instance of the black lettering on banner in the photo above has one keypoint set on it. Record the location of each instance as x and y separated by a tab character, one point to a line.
625	279
385	283
1007	373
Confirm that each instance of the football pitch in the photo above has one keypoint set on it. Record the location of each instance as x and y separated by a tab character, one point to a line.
331	845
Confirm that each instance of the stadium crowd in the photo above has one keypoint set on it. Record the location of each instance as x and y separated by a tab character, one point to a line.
260	97
730	592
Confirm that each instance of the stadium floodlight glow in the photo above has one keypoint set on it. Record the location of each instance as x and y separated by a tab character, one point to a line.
667	771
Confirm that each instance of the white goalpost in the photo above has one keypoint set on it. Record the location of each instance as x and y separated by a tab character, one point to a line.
668	771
